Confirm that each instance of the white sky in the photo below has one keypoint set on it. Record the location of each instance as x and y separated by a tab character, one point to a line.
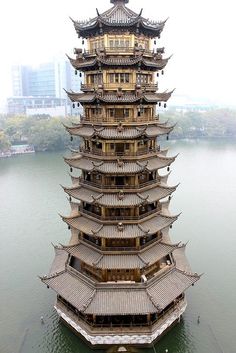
201	35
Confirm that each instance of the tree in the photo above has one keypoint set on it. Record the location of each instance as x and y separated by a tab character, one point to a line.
4	142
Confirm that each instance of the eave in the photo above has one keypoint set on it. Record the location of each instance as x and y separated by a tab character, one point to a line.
121	98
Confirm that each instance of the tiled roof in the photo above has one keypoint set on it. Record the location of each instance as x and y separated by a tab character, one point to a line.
156	252
119	167
84	253
85	63
113	231
102	260
170	286
119	132
118	98
59	261
121	299
118	16
72	288
120	302
120	199
181	259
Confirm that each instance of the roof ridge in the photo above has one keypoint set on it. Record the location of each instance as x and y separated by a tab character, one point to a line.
190	274
140	257
86	305
151	299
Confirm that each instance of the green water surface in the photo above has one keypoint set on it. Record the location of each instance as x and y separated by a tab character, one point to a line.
30	198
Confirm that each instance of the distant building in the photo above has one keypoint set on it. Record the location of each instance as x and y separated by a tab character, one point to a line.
40	90
186	103
37	106
200	108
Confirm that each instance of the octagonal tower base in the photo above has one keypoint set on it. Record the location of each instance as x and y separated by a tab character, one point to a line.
135	336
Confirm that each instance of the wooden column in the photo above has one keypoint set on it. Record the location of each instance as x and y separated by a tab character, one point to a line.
137	274
81	235
104	275
132	40
103	211
136	179
103	243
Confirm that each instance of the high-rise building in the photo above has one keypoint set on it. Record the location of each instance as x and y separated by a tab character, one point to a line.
17	81
32	86
120	280
41	81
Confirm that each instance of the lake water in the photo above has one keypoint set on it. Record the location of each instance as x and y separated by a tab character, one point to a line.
30	198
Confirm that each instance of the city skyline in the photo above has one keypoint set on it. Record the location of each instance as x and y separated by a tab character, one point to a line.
197	33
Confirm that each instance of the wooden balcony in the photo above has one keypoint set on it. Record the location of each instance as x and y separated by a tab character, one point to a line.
100	119
121	248
118	218
98	152
118	50
127	86
118	187
107	248
117	119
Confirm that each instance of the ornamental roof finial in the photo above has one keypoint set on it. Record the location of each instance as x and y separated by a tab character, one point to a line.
116	1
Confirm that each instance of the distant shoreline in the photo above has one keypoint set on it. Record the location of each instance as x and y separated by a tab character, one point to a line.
8	154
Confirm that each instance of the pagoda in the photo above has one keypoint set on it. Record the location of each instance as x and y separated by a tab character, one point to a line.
120	279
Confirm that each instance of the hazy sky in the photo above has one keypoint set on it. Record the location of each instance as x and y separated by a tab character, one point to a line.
201	35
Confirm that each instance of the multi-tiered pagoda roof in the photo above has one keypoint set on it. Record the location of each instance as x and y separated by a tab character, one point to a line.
118	18
120	279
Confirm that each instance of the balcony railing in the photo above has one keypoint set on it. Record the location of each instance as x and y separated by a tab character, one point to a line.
121	248
107	248
118	49
98	152
118	218
117	119
125	85
118	187
107	119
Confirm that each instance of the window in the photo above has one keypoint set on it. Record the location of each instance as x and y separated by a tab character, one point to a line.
96	111
95	79
97	44
127	78
111	76
119	42
142	43
126	113
142	78
119	78
111	112
116	78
